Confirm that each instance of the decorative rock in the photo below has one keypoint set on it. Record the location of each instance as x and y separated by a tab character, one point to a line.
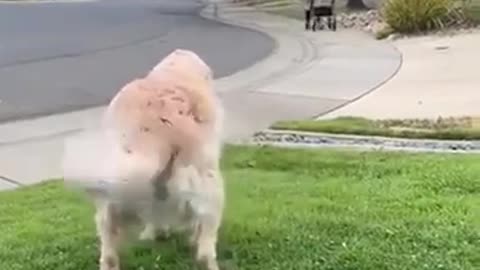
371	21
394	36
375	27
291	138
362	20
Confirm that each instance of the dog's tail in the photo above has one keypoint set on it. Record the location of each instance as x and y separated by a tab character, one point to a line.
95	162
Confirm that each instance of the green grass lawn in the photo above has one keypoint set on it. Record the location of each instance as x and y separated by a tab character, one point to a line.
287	209
464	128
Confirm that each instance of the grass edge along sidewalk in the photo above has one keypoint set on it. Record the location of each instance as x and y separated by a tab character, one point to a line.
286	209
454	128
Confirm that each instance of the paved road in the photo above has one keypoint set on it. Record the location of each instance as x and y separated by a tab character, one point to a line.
308	74
65	56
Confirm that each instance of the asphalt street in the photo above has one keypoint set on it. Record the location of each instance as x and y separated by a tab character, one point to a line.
58	57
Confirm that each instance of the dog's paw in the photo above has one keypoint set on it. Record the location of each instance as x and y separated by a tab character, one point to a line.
192	240
148	234
163	235
109	263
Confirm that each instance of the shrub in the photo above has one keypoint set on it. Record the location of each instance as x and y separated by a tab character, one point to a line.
472	10
410	16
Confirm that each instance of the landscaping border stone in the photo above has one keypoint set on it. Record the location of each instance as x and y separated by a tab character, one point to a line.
312	140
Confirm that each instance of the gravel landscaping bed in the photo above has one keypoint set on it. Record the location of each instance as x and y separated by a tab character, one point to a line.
309	139
370	21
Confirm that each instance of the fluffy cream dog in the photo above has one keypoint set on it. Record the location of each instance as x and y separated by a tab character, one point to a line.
155	159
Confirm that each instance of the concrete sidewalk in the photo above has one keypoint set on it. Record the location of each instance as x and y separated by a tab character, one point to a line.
439	78
308	74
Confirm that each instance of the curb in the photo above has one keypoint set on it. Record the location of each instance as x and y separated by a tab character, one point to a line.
378	86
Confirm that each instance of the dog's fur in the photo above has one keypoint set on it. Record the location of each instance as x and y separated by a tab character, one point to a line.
163	135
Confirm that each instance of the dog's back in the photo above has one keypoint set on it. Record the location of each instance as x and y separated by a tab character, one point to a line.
172	110
172	107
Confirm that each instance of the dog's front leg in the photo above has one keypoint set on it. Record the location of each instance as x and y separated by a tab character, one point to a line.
154	232
109	232
194	232
149	232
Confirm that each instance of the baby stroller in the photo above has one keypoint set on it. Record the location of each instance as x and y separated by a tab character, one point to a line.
323	9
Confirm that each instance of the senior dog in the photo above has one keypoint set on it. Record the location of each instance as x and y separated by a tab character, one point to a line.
155	159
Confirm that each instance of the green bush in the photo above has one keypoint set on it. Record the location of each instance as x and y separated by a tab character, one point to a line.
472	10
410	16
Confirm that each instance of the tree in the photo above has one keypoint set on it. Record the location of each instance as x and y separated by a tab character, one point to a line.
356	4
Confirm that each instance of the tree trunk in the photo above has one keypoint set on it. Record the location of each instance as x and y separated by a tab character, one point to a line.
356	4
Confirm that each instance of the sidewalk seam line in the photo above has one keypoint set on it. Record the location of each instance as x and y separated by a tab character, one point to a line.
11	181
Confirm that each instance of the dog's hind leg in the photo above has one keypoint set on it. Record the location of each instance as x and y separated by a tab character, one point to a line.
207	218
109	232
206	245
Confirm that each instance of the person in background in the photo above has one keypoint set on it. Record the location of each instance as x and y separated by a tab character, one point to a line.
307	6
314	6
